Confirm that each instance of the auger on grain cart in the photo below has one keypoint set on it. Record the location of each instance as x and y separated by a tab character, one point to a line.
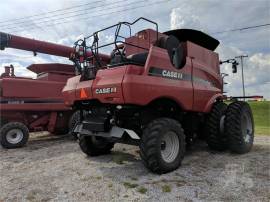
28	104
158	91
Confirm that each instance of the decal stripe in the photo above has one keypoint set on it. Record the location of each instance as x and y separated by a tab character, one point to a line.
28	101
164	73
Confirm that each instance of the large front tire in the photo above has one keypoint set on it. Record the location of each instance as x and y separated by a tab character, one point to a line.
14	135
162	146
95	146
239	127
214	132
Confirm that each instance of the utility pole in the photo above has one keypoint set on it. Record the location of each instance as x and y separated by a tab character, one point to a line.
242	66
223	75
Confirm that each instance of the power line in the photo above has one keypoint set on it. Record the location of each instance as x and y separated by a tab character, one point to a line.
63	15
11	25
66	21
243	28
219	32
40	14
104	8
32	24
101	14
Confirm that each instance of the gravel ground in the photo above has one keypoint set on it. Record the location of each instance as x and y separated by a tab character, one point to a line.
54	169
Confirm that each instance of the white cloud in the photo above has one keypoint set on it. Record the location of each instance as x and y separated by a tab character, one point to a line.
19	70
256	67
261	60
21	60
182	17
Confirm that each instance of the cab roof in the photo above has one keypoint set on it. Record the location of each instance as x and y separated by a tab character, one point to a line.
196	37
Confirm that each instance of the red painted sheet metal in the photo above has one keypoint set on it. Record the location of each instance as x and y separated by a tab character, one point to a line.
35	107
31	88
24	43
53	67
109	80
142	89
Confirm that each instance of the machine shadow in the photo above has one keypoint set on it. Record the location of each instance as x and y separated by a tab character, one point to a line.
40	148
125	163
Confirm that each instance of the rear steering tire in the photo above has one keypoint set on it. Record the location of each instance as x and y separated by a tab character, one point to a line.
95	146
215	136
162	145
13	135
239	127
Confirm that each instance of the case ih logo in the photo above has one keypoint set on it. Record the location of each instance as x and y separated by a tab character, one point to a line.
170	74
155	71
105	90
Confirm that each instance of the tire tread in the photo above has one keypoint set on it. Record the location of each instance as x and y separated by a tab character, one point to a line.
8	126
148	146
215	139
233	127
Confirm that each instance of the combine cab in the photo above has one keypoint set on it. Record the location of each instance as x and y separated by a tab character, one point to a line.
159	91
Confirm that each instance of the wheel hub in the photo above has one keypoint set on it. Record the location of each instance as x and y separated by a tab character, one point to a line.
163	145
14	136
169	146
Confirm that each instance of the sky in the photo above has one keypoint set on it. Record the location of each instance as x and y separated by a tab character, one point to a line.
65	21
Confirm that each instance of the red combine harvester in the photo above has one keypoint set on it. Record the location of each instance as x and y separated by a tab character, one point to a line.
28	104
158	91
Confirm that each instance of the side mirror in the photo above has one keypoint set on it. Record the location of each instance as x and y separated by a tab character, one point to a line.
179	56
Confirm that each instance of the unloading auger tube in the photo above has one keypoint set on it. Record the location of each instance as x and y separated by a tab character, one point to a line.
37	46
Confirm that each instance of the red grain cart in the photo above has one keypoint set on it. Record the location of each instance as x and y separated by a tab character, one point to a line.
29	105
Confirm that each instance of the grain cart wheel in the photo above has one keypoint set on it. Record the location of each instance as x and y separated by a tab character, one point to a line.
95	146
214	131
73	121
162	145
13	135
239	127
